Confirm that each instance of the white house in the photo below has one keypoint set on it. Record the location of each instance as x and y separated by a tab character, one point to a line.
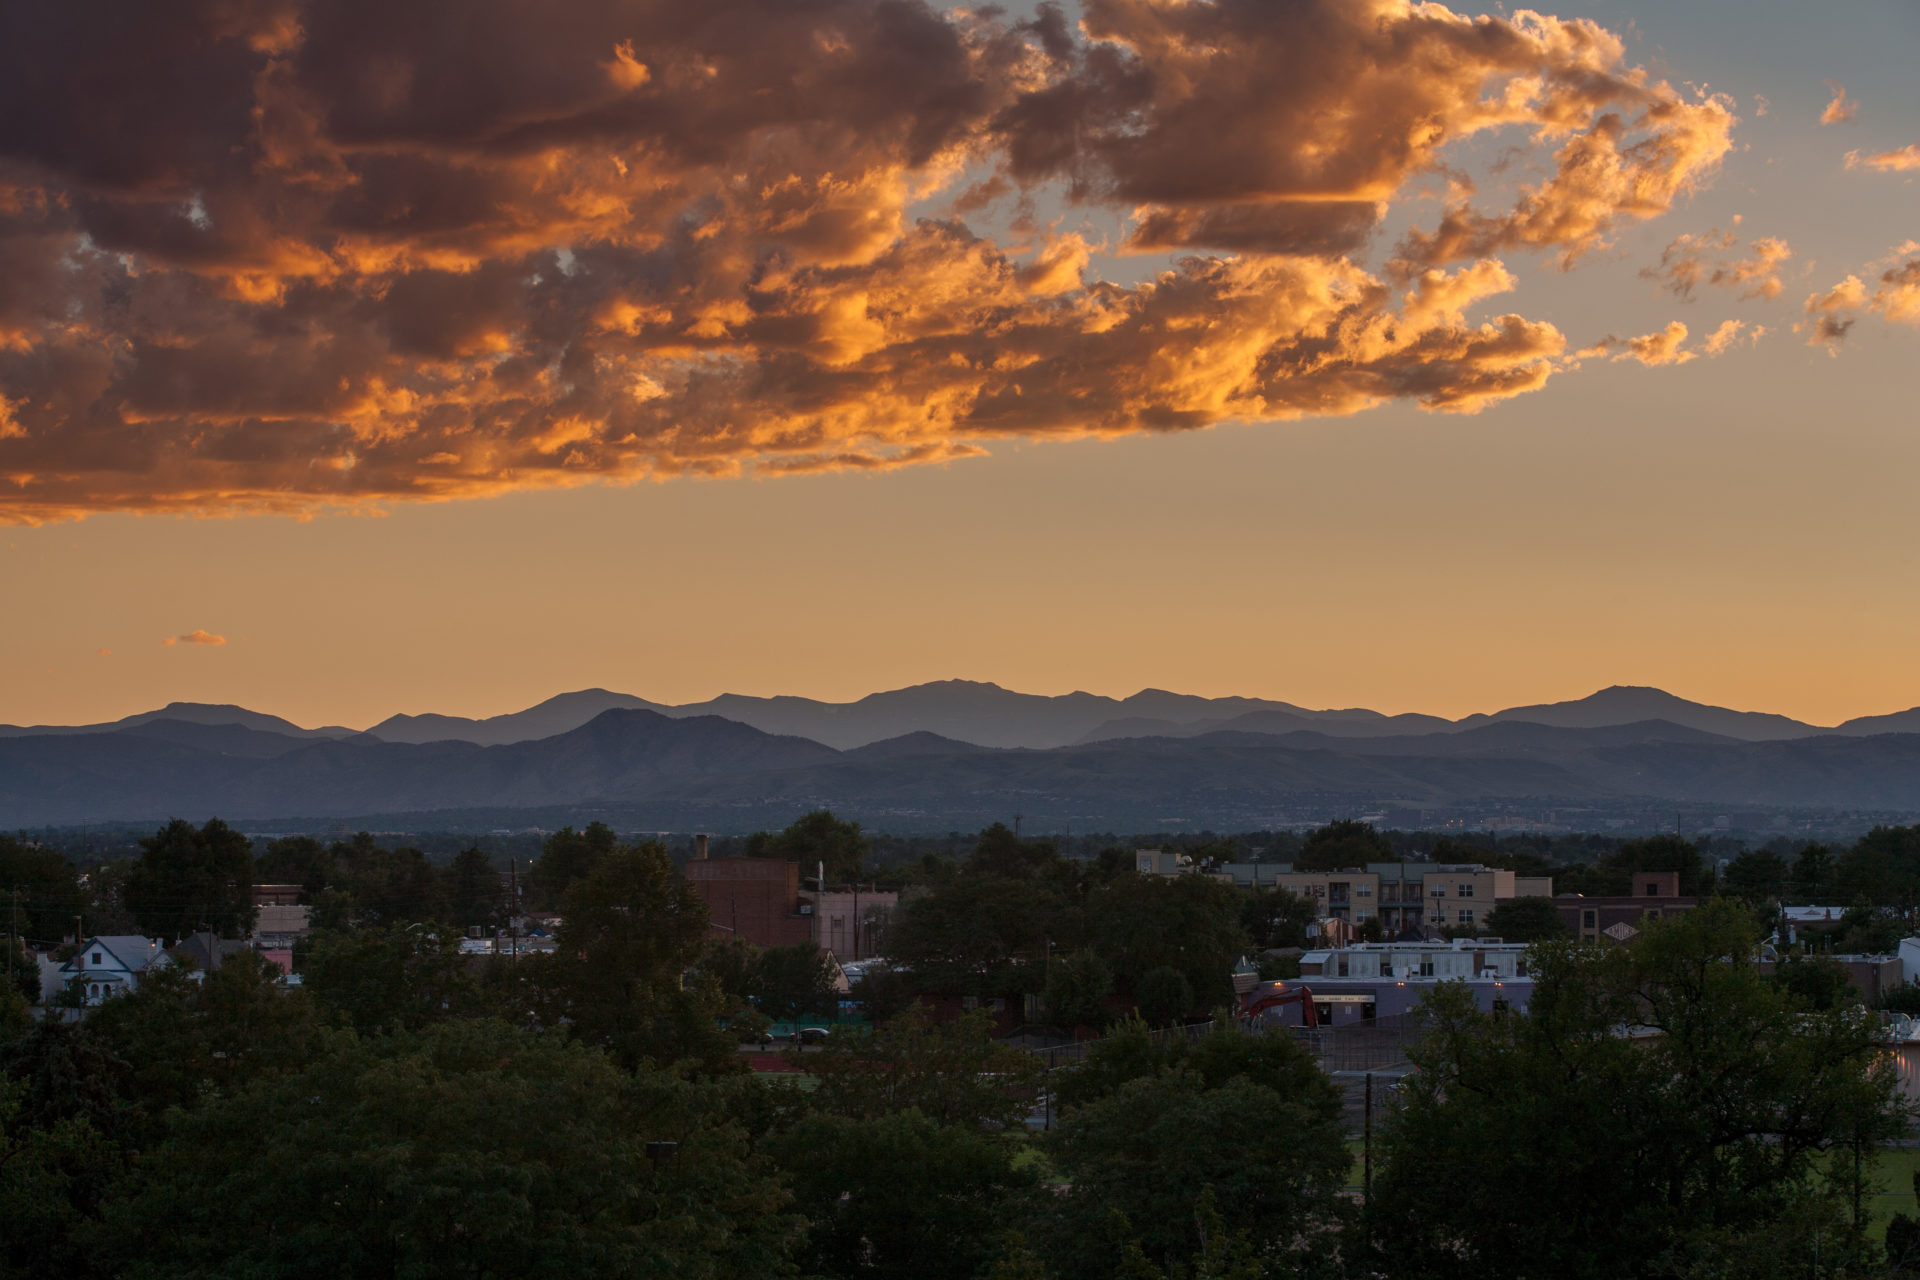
112	965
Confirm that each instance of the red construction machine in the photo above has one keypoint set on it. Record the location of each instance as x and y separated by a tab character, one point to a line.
1273	995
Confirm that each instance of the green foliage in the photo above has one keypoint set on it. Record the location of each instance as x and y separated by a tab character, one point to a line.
1902	999
402	977
897	1195
954	1073
1340	845
795	982
1649	1149
23	968
1227	1052
1140	924
1077	991
1815	982
631	928
1276	918
192	878
464	1149
1758	875
979	934
1163	996
813	839
568	856
40	892
1525	920
472	890
357	882
1273	1162
884	992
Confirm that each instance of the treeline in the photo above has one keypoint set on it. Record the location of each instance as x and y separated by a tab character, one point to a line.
408	1112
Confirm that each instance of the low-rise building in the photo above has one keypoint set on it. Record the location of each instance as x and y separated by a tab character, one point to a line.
1378	980
112	964
1410	899
1654	894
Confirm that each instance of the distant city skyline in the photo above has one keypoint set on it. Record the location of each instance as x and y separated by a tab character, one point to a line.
996	391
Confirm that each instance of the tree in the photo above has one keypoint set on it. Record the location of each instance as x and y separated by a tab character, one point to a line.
189	879
40	892
1813	871
464	1149
1139	924
1077	991
884	993
1275	1164
472	894
897	1195
1525	920
1717	1123
792	982
629	930
1656	853
1163	996
950	1072
814	839
1758	875
1277	918
1342	844
388	979
567	856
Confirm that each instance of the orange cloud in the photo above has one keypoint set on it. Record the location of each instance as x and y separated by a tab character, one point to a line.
194	637
1831	314
1688	261
1896	161
1664	346
314	254
1729	334
1841	108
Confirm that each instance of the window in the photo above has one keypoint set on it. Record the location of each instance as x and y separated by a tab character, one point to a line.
1466	890
1363	891
1426	966
1439	891
1466	915
1653	891
1589	919
98	958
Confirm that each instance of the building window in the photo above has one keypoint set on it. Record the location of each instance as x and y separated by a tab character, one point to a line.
1439	891
1466	890
98	959
1653	891
1466	915
1426	966
1363	891
1589	919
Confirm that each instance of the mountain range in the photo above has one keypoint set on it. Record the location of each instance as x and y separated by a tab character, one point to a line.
949	756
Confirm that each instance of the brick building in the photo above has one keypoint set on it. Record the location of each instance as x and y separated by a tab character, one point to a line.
1653	894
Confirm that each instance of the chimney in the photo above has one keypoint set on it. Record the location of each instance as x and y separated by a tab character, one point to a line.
822	866
700	846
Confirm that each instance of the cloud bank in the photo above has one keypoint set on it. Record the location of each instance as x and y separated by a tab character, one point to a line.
285	254
196	636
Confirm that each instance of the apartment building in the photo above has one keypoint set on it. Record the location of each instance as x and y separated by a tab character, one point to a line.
1408	898
1378	980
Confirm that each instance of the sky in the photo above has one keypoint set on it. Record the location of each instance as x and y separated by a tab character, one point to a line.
358	359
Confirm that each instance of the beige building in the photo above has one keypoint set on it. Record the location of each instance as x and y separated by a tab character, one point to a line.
1406	897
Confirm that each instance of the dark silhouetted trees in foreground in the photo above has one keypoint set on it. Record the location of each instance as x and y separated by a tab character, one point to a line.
1663	1109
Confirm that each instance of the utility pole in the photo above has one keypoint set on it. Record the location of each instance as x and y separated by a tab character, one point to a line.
1366	1158
513	906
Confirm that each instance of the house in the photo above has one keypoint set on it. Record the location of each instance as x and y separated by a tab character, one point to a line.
207	952
112	964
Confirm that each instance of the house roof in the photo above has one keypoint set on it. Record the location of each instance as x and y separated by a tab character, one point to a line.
129	950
